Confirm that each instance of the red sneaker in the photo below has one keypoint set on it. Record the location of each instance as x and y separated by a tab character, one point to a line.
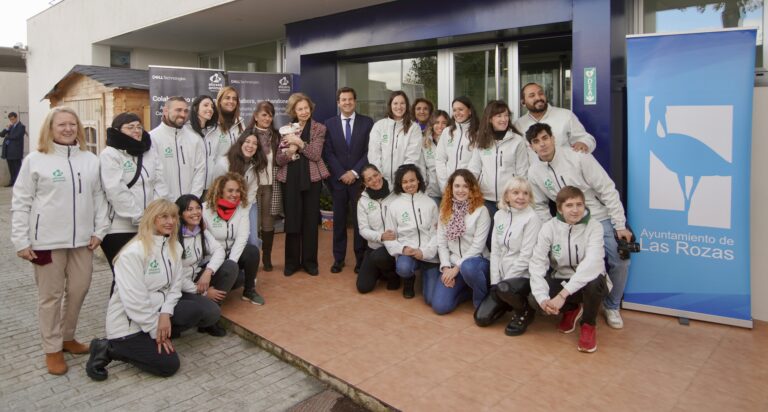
588	338
568	322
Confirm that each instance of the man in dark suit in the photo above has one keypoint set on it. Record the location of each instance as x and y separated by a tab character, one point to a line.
13	145
346	152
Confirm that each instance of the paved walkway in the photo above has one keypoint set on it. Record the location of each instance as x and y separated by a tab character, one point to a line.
225	374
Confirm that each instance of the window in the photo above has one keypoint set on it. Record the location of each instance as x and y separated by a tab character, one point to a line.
210	62
120	58
258	58
375	81
92	139
664	16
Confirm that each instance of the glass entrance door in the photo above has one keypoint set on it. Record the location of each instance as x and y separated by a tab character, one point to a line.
481	73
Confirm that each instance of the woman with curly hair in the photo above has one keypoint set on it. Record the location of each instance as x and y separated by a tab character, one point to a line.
225	213
461	232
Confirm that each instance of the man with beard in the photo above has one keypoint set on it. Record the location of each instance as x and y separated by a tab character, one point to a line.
179	150
566	128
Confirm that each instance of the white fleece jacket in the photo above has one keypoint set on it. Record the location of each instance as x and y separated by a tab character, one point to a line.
414	220
192	257
371	218
496	165
390	147
453	152
470	244
182	154
146	285
232	234
514	236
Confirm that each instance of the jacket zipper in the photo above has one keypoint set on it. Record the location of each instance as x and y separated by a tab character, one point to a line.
37	225
382	212
178	165
507	235
458	149
392	152
143	185
570	262
549	165
181	152
418	233
79	183
74	198
577	255
496	174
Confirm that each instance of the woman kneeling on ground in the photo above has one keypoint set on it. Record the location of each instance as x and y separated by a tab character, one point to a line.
146	309
371	211
571	244
412	216
205	274
515	229
461	234
226	215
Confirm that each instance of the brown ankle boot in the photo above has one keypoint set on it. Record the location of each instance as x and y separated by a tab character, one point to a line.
55	363
74	347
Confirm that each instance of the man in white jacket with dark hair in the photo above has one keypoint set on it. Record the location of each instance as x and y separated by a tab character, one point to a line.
180	151
567	129
556	168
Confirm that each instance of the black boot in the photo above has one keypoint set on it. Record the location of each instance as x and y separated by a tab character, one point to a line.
408	284
266	253
98	360
490	309
393	281
520	321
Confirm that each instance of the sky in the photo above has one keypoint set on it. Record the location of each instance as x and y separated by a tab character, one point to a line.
14	27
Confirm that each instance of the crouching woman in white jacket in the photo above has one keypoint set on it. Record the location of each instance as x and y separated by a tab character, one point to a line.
515	229
412	216
59	216
146	299
567	268
461	233
372	210
205	275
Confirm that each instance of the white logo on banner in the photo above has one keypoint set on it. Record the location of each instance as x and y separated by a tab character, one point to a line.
284	85
690	161
216	82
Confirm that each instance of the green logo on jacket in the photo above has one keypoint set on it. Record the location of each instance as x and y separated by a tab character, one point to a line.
429	153
218	221
187	252
385	138
129	167
154	267
168	152
550	185
556	249
371	205
405	217
500	229
58	176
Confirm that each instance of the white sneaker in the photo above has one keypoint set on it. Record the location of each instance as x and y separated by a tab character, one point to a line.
613	318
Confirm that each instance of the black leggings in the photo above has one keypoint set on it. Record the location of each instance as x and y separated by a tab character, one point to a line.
591	295
140	350
377	264
111	245
514	292
193	310
249	262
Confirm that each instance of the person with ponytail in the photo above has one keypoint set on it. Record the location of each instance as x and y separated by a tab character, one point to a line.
371	220
458	139
203	120
437	123
225	214
230	125
131	176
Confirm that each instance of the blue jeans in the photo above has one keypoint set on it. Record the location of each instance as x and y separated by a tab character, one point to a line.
617	268
472	280
253	216
406	267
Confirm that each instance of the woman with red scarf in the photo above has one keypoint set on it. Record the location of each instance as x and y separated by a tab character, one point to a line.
225	213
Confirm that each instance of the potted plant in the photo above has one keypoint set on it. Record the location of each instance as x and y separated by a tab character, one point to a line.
326	209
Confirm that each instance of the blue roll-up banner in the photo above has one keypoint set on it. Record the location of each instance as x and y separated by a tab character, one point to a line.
689	102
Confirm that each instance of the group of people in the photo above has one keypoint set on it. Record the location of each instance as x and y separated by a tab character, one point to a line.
511	215
185	214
